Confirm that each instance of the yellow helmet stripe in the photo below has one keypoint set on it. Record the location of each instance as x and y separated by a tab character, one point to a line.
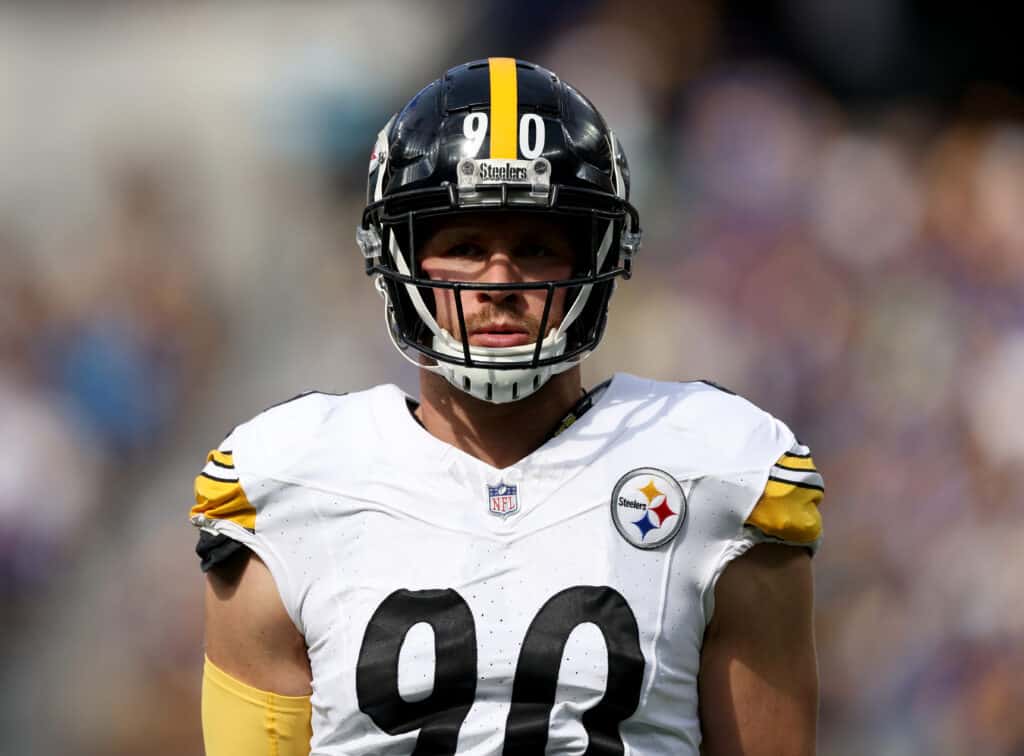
504	108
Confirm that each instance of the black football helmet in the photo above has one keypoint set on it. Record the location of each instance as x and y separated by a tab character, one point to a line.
497	135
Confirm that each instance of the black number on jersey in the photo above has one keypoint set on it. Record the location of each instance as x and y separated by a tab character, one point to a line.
439	716
533	692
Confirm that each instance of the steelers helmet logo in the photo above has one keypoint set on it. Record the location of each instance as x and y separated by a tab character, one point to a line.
648	507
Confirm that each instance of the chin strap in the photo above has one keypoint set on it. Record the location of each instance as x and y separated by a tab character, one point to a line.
582	407
500	386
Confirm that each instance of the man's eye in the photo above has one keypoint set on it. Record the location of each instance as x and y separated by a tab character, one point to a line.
535	250
464	250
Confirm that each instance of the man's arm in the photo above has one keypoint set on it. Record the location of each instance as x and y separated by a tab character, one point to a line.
759	679
256	683
248	633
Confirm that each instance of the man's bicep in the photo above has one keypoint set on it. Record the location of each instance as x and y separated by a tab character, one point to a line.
256	680
249	634
758	679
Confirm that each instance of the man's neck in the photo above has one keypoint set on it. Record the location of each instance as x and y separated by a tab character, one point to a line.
498	434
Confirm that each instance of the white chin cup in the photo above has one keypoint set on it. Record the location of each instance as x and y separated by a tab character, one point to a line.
499	386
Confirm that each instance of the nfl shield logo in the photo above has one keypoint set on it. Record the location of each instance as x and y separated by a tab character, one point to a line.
503	499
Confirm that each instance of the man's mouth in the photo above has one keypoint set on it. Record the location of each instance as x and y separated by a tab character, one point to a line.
496	335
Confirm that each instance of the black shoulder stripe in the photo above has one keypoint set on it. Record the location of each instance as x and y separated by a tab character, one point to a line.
798	485
221	464
718	386
302	396
795	469
219	480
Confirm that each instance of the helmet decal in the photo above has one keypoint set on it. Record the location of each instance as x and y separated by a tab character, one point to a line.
474	128
504	107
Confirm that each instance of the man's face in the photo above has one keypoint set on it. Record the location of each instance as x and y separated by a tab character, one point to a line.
499	248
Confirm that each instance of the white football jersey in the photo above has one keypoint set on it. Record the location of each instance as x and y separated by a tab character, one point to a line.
555	606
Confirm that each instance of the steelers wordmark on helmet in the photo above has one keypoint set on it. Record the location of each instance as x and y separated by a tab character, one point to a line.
648	507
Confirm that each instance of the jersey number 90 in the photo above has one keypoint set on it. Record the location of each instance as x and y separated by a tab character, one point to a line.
531	134
439	716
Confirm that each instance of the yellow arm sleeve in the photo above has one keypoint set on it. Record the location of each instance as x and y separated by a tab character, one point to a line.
239	720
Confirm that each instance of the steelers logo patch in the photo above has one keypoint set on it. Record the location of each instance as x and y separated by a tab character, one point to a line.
648	507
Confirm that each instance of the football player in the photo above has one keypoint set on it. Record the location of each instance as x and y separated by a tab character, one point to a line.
508	564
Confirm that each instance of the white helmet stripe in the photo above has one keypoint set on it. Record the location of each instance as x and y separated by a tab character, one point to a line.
412	291
620	185
606	243
581	300
383	152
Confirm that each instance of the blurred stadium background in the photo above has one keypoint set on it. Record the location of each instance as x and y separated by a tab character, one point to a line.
833	194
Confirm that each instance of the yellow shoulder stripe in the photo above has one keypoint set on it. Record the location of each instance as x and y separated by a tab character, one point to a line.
222	458
796	463
504	108
788	512
223	499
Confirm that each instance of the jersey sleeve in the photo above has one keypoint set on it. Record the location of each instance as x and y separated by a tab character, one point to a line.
220	498
218	491
766	489
251	495
788	509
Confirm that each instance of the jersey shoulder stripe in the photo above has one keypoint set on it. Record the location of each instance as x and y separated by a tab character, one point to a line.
788	508
262	452
219	494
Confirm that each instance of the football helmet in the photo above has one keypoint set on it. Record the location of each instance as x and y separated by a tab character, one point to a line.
497	135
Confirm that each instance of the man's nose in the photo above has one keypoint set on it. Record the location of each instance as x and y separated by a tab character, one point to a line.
501	268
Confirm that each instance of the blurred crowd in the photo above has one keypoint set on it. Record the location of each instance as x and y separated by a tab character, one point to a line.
94	370
855	268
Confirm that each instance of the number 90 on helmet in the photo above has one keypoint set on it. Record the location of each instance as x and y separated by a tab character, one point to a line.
497	135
